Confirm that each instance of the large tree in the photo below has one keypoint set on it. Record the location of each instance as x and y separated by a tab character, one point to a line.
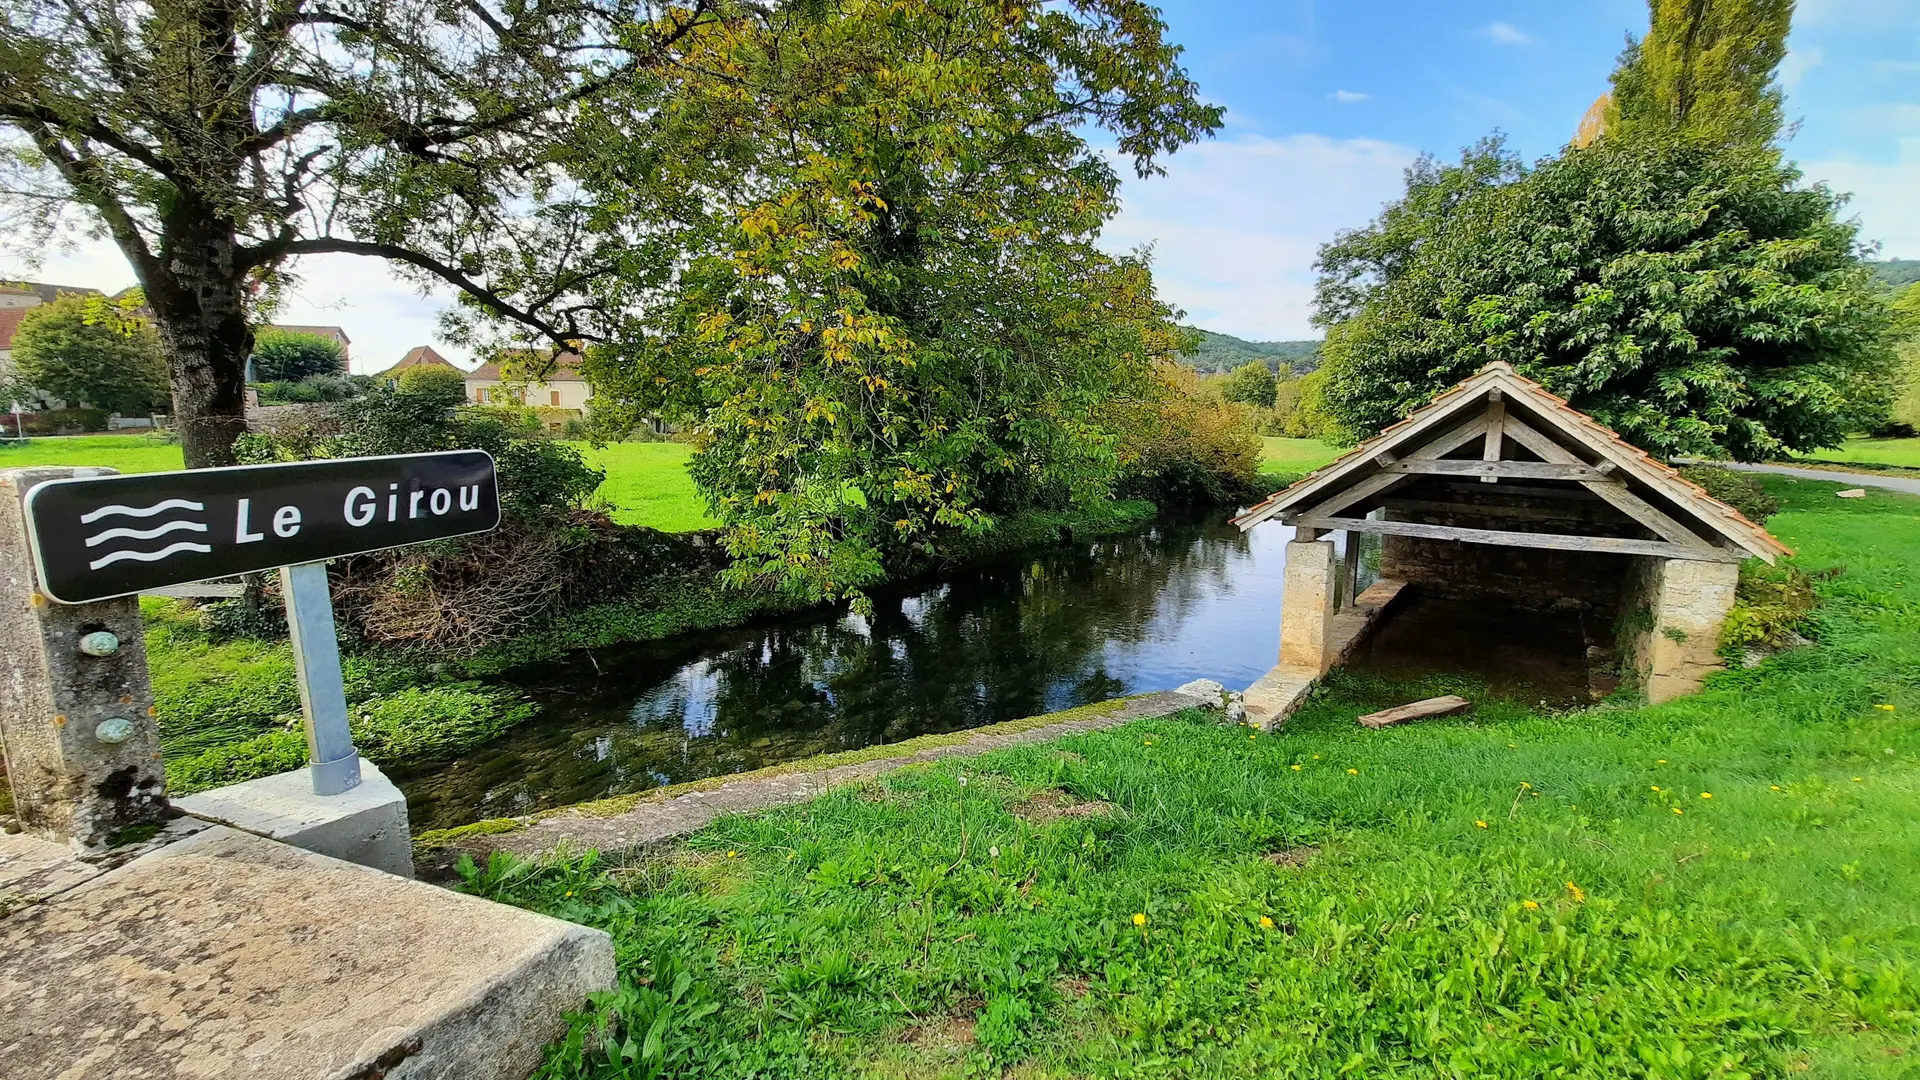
1705	69
859	264
215	141
80	350
1696	297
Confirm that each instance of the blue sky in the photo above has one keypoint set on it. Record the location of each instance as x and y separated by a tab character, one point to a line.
1326	103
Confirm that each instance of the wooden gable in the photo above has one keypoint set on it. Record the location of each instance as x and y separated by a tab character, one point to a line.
1500	428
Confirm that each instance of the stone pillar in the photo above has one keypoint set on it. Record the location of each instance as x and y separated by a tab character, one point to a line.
1689	601
76	710
1308	604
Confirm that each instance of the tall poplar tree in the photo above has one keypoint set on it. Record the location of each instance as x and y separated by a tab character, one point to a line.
1705	69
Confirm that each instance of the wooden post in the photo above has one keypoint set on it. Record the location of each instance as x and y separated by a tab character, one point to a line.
1350	570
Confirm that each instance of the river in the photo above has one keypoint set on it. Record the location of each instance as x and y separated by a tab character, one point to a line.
1182	600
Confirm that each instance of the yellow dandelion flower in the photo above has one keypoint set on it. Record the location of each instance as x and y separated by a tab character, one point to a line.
1677	810
1579	894
1316	757
1884	708
1662	761
1856	779
1524	786
1255	735
1479	824
1353	772
733	854
1513	746
1266	923
1296	768
1706	794
1773	787
1139	918
1530	905
1655	787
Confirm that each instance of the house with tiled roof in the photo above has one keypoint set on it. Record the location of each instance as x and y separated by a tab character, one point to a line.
26	294
508	381
418	356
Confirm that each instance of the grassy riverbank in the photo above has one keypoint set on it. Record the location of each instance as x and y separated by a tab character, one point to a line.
1725	885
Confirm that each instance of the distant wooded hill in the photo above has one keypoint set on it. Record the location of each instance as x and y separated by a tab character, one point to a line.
1224	352
1897	272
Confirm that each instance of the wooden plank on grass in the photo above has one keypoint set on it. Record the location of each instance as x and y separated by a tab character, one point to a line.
1433	706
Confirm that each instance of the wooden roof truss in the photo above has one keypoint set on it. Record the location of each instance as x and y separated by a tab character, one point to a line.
1498	427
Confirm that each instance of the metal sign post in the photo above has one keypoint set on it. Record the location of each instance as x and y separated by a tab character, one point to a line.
331	758
97	538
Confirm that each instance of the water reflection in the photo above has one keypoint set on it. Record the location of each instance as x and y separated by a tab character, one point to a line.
1183	600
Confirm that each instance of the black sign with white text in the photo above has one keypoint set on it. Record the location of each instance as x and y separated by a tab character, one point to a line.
116	535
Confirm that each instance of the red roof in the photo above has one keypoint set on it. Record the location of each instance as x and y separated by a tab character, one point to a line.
419	356
566	368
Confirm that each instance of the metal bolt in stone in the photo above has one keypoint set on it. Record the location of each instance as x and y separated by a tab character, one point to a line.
99	643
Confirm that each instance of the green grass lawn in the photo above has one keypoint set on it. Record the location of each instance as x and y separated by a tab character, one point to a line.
128	453
647	484
1723	886
1283	461
1894	453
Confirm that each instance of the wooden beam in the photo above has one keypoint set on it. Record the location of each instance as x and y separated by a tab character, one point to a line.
1518	470
1496	430
1446	444
1400	714
1559	512
1614	492
1350	570
1613	545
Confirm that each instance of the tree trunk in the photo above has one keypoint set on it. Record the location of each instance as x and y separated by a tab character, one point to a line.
199	307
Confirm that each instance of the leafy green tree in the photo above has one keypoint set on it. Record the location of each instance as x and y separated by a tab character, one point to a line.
432	380
1696	298
887	319
76	350
1705	69
217	141
290	355
1249	384
1906	314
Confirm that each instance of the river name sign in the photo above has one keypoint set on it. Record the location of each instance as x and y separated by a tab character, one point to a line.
101	537
95	539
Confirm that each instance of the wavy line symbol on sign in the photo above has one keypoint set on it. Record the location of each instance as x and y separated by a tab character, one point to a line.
123	533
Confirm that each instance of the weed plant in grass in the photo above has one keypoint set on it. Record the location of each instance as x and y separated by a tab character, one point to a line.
1721	886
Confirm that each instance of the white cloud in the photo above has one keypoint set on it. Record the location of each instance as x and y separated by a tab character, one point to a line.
1502	33
1797	63
1348	97
1882	197
1235	224
382	315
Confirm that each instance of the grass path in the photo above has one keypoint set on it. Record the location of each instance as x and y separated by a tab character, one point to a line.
1726	885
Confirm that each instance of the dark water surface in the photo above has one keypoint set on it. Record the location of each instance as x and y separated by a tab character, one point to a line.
1066	627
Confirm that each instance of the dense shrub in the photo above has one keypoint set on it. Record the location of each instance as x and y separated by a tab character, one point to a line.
55	422
1772	604
1185	444
457	594
434	381
292	355
1738	490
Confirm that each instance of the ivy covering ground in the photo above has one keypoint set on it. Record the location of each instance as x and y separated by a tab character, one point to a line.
1725	885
